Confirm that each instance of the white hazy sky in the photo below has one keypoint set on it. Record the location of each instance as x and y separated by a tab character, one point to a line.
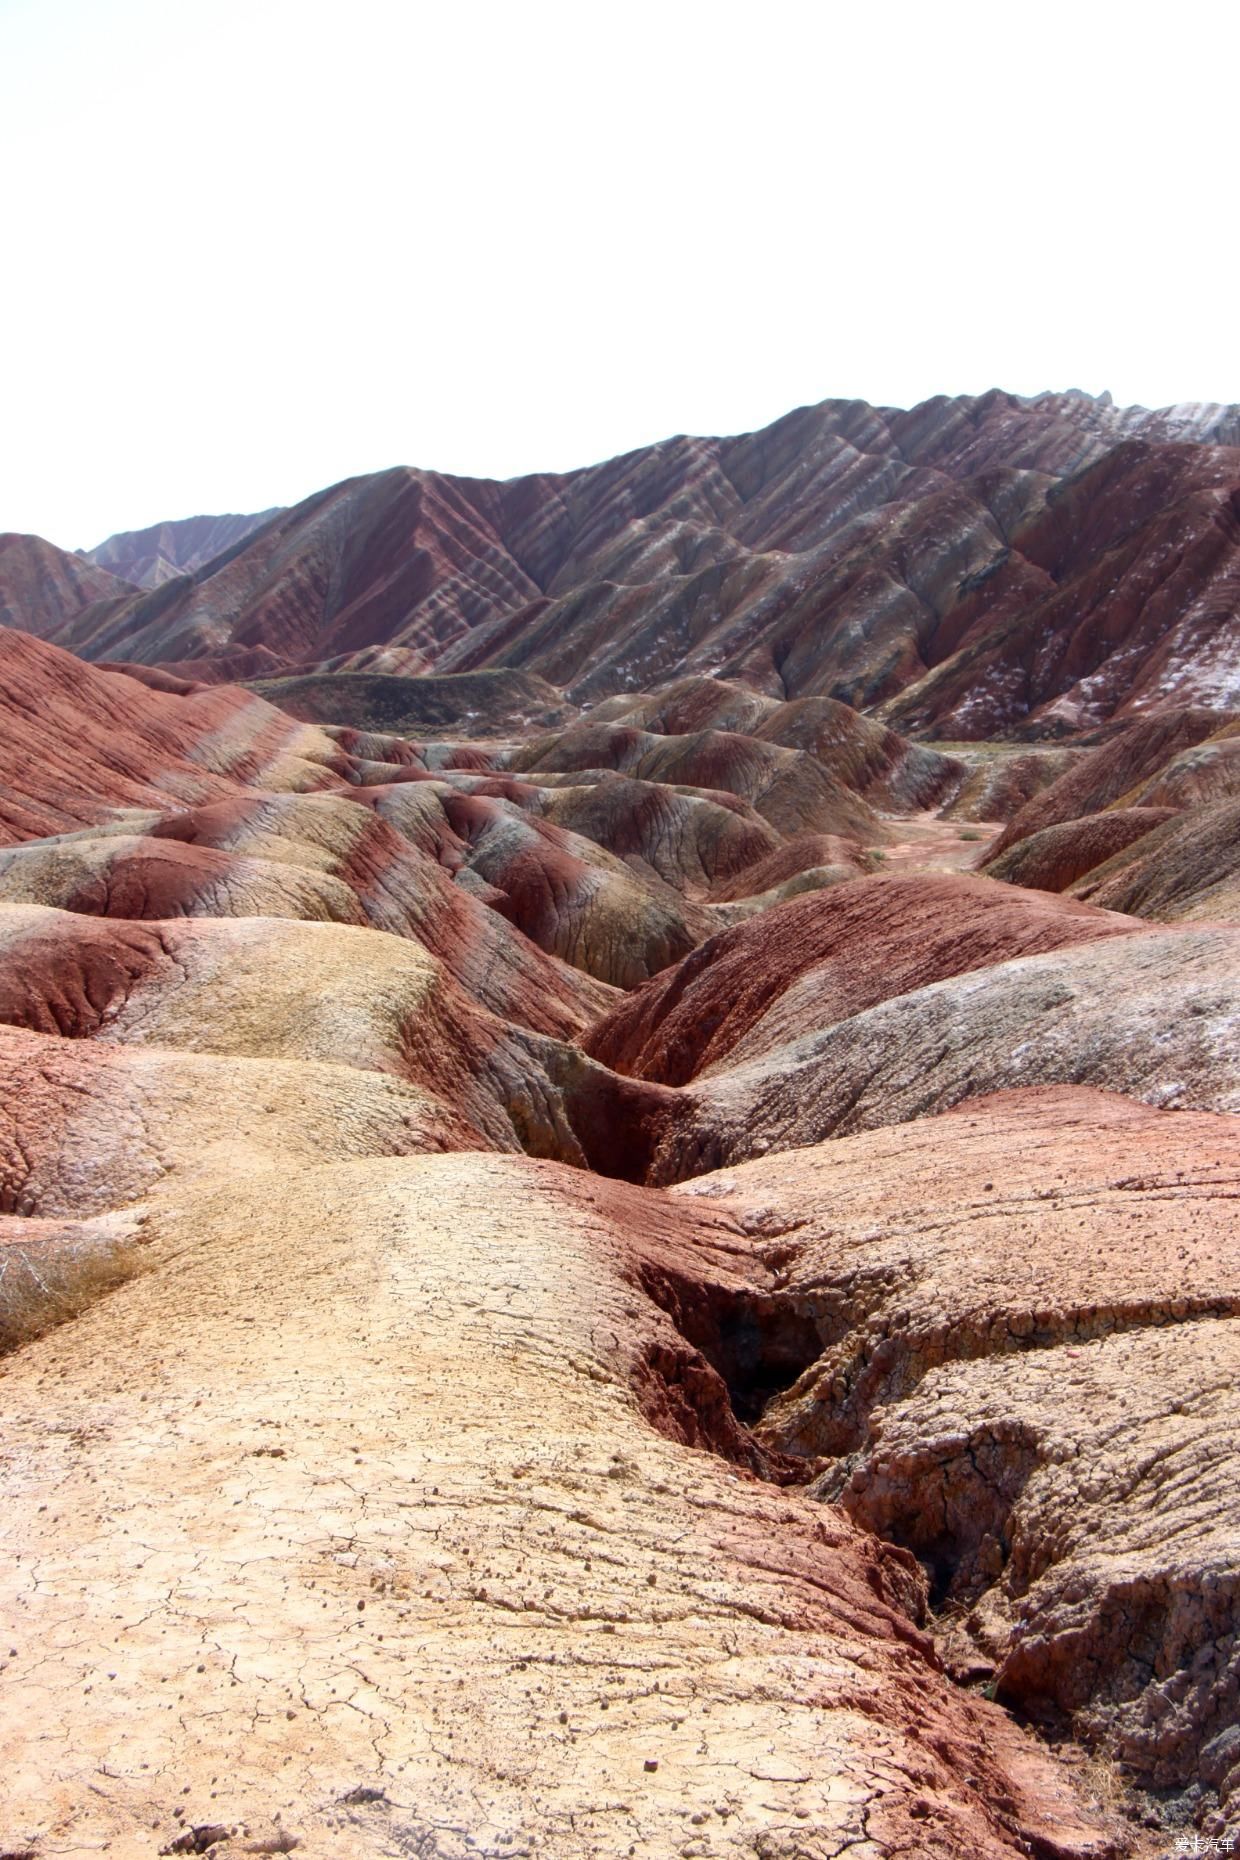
254	246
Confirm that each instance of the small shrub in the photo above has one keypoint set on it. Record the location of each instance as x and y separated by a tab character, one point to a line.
45	1283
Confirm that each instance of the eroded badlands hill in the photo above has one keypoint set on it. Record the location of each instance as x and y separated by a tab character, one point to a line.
164	551
575	1283
970	567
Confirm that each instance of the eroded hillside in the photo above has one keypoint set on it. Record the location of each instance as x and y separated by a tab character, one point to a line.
972	567
650	1276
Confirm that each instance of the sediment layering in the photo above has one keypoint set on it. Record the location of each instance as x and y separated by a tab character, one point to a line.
971	566
599	1259
148	558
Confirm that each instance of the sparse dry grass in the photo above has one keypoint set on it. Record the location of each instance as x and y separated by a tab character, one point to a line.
46	1283
1106	1786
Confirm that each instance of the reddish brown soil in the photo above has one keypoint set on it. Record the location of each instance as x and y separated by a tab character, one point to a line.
1056	857
842	951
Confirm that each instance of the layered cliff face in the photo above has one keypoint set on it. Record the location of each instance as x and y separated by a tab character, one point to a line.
970	568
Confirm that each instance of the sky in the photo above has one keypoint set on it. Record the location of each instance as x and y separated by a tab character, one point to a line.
256	248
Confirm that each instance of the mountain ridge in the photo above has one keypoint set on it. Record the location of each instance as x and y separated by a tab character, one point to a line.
163	551
969	568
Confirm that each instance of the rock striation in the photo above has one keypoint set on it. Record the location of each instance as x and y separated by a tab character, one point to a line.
821	960
574	1281
165	551
970	568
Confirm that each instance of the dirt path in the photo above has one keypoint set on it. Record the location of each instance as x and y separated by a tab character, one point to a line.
927	843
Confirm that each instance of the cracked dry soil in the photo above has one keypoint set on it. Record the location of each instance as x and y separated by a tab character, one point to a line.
341	1526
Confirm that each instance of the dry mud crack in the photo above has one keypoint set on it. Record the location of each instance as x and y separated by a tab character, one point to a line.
347	1518
411	1534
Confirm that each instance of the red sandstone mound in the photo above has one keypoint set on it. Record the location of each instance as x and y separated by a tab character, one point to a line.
1118	773
41	585
387	1427
873	761
692	841
1209	771
821	959
317	857
998	783
87	1127
567	894
79	743
329	996
403	1423
1186	869
809	860
1151	1015
1056	857
159	677
790	789
102	741
571	897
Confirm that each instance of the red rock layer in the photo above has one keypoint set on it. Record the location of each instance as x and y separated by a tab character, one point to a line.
791	789
970	566
1027	1316
868	758
41	585
1151	1015
1114	773
1189	868
80	743
1057	856
847	948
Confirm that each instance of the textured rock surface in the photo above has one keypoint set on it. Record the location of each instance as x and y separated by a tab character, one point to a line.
1056	857
390	1487
1028	1311
40	585
701	843
822	960
88	1127
323	860
1120	773
79	743
970	566
162	552
334	997
798	859
1151	1015
789	788
996	786
426	1474
872	760
1189	868
1208	772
